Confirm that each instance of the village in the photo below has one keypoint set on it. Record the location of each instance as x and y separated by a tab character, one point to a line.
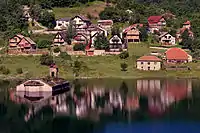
78	36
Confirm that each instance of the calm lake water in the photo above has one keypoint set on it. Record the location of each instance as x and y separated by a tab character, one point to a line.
106	106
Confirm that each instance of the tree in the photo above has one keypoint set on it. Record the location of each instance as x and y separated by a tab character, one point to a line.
115	31
101	42
186	40
76	68
79	47
71	31
46	59
143	34
65	56
35	11
47	19
124	66
124	55
43	44
56	50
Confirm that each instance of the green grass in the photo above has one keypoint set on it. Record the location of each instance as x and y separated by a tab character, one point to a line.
92	8
98	66
36	37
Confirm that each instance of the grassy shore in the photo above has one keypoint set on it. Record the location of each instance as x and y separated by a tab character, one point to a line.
93	67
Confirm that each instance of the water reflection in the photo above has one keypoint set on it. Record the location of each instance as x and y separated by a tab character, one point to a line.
154	96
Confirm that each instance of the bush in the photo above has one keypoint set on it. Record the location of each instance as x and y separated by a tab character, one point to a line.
79	47
56	50
124	55
65	56
124	66
46	59
4	70
43	44
19	70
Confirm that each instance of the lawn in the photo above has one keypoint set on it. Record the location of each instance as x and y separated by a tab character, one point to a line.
92	8
93	67
36	37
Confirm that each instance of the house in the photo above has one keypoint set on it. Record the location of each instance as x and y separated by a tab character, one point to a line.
132	33
187	25
26	13
105	24
177	55
60	38
21	43
156	23
116	44
80	39
80	21
149	63
181	31
167	39
62	24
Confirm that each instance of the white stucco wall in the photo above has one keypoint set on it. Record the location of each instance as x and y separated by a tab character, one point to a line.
145	65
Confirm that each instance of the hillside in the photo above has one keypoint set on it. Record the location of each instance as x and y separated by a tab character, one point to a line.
92	8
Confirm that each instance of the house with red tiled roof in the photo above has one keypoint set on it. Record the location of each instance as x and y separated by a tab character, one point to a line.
177	55
156	23
132	33
79	39
186	26
21	43
149	62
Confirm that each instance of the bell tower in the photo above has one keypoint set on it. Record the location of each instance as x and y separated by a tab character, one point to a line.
53	71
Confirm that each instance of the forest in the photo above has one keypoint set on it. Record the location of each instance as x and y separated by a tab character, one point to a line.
11	20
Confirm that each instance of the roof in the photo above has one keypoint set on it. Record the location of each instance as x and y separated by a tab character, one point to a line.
30	40
181	30
63	19
163	34
54	81
20	36
131	27
82	17
105	21
149	58
53	66
176	53
63	34
154	19
115	38
187	23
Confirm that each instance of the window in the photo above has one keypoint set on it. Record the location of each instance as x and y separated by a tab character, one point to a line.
148	68
155	63
148	63
141	63
142	67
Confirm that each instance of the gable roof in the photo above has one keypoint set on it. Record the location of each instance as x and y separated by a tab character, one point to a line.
30	40
187	23
77	36
176	53
114	38
149	58
105	21
81	17
63	34
131	27
154	19
163	34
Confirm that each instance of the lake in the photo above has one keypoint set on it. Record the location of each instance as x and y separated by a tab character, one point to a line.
106	106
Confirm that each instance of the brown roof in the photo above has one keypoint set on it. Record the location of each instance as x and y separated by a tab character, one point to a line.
149	58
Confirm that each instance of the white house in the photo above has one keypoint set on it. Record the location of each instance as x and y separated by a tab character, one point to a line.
81	21
116	44
62	24
167	39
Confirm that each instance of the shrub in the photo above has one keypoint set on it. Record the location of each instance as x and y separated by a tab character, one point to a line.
19	70
124	55
43	44
79	47
56	50
124	66
4	70
46	59
65	56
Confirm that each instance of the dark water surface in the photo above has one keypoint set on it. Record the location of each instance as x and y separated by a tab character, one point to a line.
106	106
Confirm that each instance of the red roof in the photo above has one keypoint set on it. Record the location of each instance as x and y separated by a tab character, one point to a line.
176	53
154	19
132	26
149	58
187	23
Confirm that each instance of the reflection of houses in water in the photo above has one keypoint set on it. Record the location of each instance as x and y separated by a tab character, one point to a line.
160	96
